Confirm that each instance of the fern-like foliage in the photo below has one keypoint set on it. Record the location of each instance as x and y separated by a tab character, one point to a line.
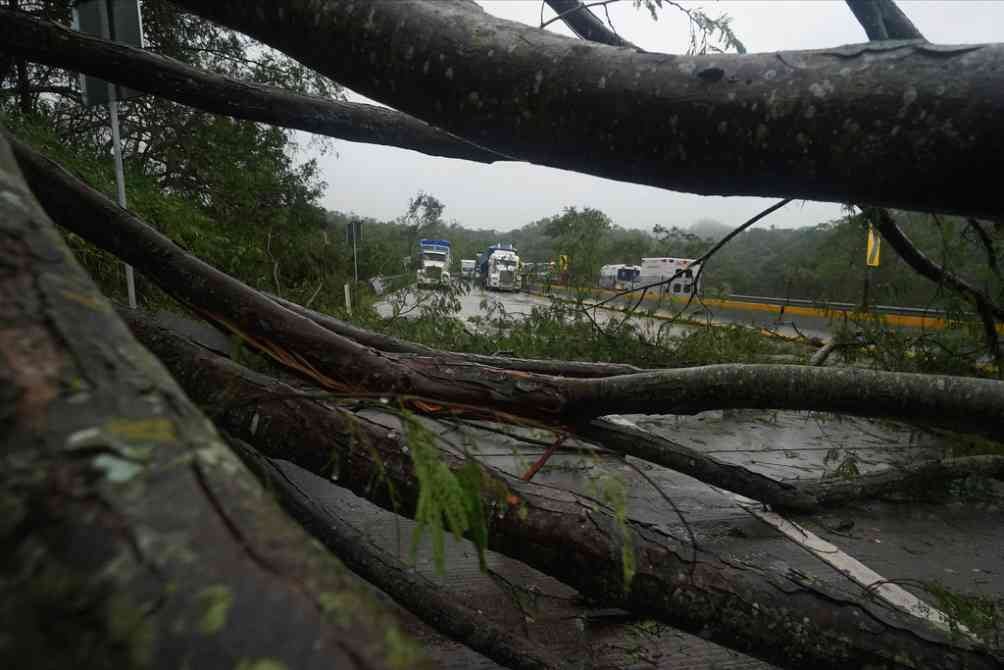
612	490
447	500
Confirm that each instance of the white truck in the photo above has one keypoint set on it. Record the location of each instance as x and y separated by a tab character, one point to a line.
434	260
619	276
468	269
662	268
498	268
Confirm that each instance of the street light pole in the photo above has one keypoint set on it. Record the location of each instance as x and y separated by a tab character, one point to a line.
113	110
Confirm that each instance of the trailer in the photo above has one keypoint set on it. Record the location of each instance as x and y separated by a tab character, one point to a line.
620	276
684	271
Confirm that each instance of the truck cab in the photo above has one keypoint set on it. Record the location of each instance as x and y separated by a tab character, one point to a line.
468	269
499	268
434	261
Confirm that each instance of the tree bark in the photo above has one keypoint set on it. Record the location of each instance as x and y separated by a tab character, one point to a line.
338	363
581	20
772	612
793	124
131	536
883	20
49	43
428	601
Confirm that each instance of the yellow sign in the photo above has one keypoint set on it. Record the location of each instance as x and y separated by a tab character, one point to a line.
562	263
874	246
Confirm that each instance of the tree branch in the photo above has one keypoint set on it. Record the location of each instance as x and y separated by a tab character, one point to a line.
577	539
883	20
581	20
338	363
49	43
990	312
434	605
786	124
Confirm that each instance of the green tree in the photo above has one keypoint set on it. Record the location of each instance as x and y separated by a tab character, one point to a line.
580	235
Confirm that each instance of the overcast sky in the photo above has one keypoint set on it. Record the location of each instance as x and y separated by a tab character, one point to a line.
377	181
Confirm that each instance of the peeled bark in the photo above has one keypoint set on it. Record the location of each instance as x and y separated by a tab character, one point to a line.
49	43
810	124
339	363
131	536
770	612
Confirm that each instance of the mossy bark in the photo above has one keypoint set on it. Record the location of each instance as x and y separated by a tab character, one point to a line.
130	536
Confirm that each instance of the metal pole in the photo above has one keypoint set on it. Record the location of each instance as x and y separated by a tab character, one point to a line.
113	109
355	258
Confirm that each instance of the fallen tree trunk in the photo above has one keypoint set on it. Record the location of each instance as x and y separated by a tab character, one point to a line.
131	537
624	437
809	124
341	364
431	603
51	44
769	612
396	346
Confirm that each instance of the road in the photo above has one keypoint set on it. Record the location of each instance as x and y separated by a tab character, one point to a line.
477	302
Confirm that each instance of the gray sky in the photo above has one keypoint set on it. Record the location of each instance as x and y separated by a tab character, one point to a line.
378	181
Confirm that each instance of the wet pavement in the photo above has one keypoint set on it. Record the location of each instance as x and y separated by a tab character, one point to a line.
478	301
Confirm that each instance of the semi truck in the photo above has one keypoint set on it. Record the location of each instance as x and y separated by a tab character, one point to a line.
498	268
468	269
434	260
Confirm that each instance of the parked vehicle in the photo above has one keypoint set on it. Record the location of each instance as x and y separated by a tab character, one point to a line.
620	276
434	260
660	269
468	269
498	268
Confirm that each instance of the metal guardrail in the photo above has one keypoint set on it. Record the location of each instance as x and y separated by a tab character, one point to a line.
838	306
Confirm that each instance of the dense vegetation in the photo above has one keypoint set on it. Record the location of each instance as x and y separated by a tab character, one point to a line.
822	261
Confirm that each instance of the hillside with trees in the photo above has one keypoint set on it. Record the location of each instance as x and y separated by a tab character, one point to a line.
822	261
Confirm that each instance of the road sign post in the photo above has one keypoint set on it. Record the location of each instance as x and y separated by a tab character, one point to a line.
117	20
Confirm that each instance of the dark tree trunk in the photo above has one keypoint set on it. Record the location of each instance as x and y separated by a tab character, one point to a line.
24	97
338	363
790	124
131	536
46	42
883	20
768	612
